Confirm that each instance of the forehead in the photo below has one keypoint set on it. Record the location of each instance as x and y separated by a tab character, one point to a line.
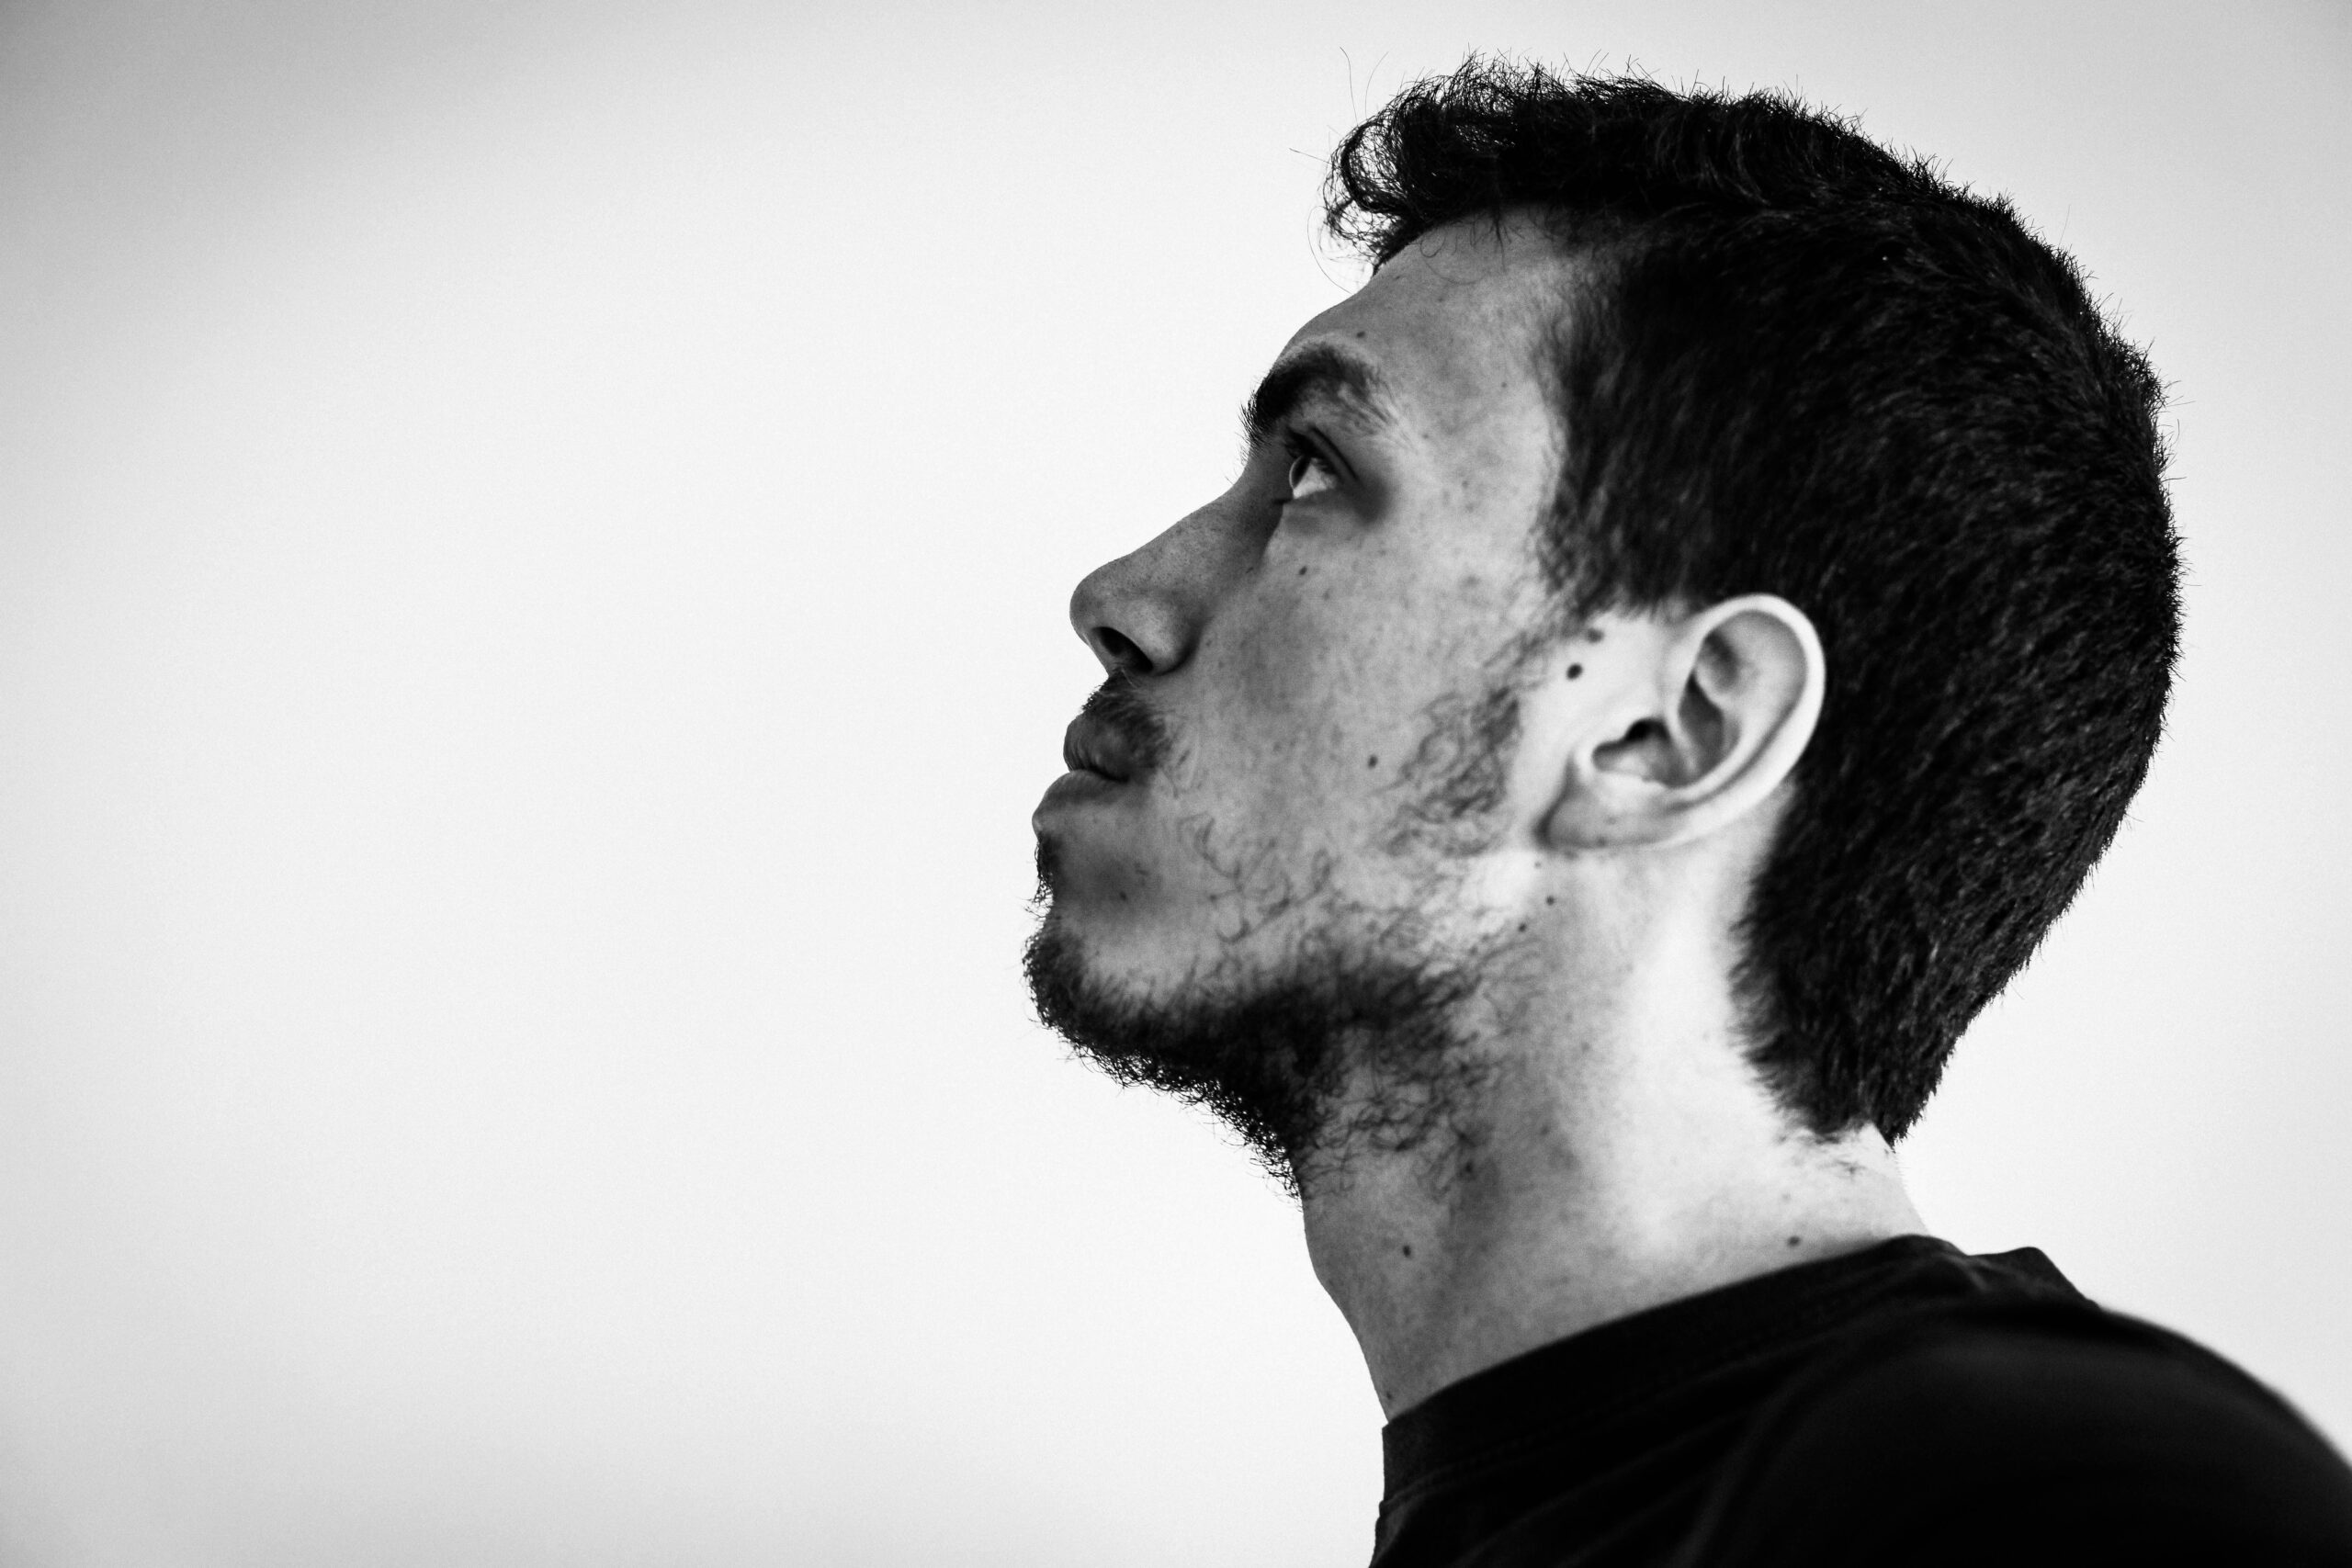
1453	323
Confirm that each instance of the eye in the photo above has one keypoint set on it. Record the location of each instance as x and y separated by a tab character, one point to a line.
1309	475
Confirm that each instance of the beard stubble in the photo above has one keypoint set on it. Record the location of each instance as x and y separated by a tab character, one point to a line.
1355	1037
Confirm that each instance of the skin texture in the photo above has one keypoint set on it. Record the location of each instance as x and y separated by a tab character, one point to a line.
1383	742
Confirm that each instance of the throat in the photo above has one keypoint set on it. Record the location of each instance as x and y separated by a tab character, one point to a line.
1465	1251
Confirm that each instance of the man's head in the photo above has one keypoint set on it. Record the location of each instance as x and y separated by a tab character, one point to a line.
1698	507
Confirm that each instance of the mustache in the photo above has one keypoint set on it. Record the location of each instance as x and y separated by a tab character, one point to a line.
1141	729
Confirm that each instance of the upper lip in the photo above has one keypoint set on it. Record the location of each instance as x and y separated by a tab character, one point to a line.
1091	745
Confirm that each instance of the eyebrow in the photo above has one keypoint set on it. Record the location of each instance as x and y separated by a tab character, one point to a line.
1319	370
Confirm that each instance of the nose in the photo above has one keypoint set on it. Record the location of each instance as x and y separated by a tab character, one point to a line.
1142	614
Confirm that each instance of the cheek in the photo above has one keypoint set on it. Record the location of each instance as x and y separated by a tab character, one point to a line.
1303	671
1318	696
1283	667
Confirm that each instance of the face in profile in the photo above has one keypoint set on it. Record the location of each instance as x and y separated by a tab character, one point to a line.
1272	871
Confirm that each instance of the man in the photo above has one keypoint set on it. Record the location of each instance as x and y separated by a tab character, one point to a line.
1684	631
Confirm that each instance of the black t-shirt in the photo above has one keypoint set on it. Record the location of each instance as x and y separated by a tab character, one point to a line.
1904	1406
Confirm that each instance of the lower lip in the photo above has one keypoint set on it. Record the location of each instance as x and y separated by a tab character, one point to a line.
1076	787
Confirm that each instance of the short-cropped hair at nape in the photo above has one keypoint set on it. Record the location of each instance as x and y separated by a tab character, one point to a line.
1798	363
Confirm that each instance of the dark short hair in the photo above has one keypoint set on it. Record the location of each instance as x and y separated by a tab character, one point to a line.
1803	366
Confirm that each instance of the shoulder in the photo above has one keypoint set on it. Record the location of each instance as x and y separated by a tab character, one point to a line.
2021	1432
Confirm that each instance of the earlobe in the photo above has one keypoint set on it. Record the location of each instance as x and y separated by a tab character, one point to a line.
1707	718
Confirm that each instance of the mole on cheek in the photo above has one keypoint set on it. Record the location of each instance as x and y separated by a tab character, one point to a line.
1575	671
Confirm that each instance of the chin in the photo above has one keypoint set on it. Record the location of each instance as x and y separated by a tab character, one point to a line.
1110	948
1103	898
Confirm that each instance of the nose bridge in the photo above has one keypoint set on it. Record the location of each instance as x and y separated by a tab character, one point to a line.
1143	613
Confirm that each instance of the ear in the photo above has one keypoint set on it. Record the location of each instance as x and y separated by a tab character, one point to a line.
1703	718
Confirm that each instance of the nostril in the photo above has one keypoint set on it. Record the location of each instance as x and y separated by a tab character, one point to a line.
1119	651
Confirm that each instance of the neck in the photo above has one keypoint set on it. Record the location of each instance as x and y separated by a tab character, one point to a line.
1593	1177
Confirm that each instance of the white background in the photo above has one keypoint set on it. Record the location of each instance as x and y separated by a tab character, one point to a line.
533	547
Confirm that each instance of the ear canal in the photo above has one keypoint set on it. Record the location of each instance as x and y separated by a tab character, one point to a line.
1646	750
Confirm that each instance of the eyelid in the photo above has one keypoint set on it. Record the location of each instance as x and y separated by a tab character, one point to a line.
1305	441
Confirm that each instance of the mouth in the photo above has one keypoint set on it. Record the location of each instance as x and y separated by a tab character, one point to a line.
1091	746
